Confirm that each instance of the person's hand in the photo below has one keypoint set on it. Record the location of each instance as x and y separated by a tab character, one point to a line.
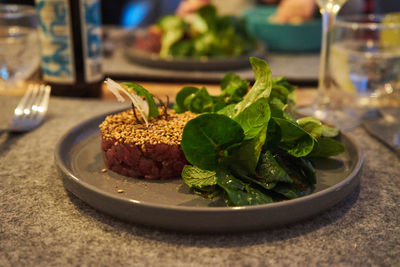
190	6
294	11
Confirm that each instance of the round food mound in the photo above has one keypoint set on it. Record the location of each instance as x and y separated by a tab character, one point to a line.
133	149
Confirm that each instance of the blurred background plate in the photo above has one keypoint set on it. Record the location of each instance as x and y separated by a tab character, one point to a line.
117	65
301	37
153	60
292	66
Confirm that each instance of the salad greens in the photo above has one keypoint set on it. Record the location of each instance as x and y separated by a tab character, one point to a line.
247	147
197	100
204	33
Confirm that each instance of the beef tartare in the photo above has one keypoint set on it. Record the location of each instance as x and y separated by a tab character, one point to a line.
151	151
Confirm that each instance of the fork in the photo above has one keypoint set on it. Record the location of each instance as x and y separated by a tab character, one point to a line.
31	110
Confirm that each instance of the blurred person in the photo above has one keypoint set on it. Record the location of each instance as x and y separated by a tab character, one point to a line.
302	10
235	7
190	6
294	11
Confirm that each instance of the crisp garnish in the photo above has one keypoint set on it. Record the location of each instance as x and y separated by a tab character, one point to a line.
141	104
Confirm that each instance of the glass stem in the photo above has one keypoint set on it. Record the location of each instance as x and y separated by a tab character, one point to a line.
322	99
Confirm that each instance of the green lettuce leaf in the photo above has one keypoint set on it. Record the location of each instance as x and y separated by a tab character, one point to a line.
248	153
233	87
312	125
269	170
181	96
240	193
254	118
294	139
327	147
205	138
262	86
198	178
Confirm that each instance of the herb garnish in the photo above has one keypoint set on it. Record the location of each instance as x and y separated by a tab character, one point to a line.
142	100
147	107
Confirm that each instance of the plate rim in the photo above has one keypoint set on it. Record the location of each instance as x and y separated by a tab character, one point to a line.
144	204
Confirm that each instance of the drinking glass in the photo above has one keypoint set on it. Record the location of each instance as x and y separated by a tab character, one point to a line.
19	45
321	107
365	62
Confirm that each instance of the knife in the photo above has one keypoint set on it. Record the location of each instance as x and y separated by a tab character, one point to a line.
384	124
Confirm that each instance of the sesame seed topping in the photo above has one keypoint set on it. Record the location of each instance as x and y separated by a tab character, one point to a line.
124	128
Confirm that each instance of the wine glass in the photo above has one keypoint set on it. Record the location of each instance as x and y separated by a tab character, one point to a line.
19	46
321	108
365	57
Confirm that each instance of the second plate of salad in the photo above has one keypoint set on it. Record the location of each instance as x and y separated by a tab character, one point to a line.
202	40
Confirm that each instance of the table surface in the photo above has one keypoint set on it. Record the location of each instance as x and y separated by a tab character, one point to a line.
41	224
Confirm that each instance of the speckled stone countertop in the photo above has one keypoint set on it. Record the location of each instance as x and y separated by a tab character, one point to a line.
41	224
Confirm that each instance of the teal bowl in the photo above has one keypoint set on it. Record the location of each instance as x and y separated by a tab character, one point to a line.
292	38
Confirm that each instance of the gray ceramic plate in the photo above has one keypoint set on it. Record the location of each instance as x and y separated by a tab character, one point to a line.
170	205
192	64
